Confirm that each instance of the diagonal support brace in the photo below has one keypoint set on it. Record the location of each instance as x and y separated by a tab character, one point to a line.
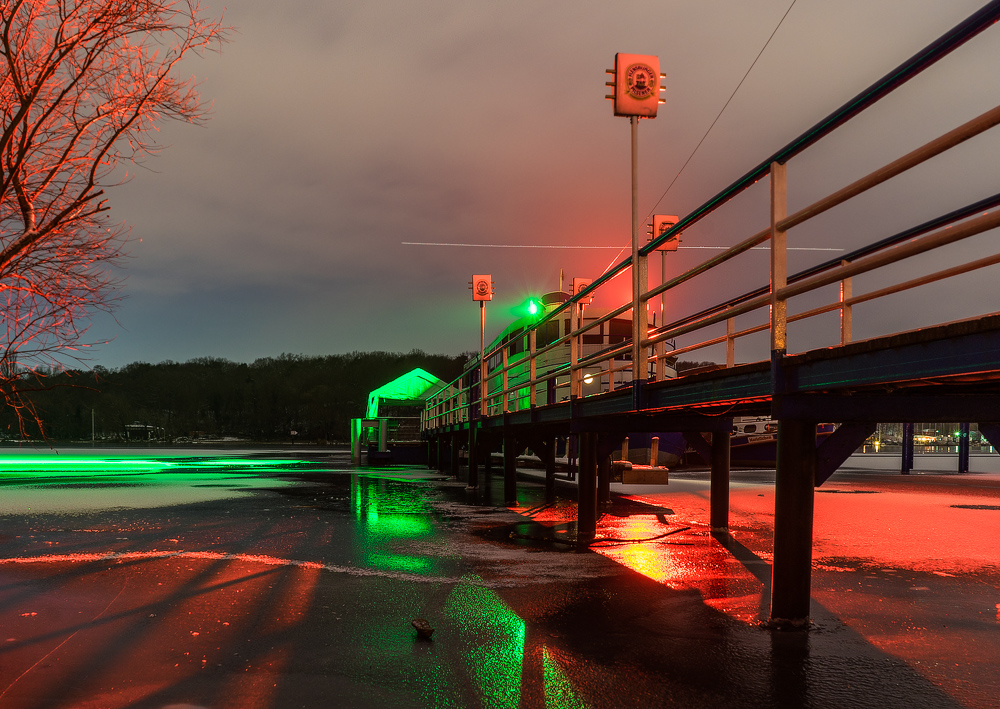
832	453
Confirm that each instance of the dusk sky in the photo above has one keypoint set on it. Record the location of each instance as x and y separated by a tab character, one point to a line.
341	130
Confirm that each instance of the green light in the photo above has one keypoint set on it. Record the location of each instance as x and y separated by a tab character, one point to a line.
532	308
559	692
494	636
399	562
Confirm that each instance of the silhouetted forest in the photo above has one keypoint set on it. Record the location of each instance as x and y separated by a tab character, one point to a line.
212	398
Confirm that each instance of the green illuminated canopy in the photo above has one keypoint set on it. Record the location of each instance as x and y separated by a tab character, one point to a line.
411	389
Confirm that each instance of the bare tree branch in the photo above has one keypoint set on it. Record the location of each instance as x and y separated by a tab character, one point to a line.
82	84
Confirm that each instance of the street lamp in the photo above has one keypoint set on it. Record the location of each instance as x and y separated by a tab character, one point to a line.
636	86
482	290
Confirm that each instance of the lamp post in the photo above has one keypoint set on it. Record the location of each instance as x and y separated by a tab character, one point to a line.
482	290
636	86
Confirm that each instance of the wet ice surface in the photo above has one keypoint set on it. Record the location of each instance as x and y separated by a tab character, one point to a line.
289	582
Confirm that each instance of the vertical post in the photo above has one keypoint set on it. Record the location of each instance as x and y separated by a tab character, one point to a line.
603	479
719	485
654	451
505	382
440	452
779	262
639	278
846	315
793	522
730	342
482	360
906	465
963	447
586	517
473	457
575	378
532	346
383	435
453	462
661	360
355	441
550	469
663	295
509	470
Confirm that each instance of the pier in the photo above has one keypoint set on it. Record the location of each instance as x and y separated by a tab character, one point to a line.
949	371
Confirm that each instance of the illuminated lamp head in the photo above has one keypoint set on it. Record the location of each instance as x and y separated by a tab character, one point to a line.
588	378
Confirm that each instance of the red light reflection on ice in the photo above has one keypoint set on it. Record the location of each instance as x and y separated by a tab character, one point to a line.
650	559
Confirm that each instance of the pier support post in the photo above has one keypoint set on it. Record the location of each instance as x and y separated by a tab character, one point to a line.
486	446
439	444
549	460
719	503
793	522
963	447
603	479
509	470
907	463
473	457
586	516
453	462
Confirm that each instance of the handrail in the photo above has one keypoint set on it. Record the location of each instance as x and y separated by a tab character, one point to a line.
905	235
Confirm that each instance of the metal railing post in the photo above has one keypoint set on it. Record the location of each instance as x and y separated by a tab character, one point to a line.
506	380
779	261
575	379
846	315
730	342
533	345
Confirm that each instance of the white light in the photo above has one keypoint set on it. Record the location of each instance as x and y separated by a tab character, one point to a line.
588	379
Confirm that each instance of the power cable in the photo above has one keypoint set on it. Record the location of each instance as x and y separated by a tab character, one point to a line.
673	181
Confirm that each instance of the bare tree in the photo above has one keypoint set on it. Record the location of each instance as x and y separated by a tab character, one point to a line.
82	85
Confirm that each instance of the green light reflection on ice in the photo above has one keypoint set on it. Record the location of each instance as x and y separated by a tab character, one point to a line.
24	466
559	692
399	562
495	636
384	515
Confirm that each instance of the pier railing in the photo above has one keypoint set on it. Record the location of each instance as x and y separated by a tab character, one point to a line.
518	382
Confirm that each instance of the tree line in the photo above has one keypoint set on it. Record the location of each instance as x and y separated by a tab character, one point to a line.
265	401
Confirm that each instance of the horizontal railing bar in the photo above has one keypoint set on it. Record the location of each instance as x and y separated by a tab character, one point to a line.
745	245
900	287
605	318
924	228
918	246
696	346
745	307
964	132
603	355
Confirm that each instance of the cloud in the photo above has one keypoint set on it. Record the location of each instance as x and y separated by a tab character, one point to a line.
341	130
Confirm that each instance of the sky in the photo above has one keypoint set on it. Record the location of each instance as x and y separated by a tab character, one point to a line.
340	130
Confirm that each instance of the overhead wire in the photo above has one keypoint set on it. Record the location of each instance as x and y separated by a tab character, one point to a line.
723	110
